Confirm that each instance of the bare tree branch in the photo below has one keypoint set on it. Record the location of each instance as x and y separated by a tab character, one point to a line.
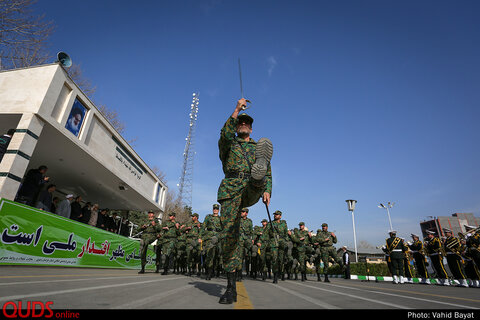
23	37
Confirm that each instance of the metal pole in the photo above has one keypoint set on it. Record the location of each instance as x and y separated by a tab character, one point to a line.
354	237
389	220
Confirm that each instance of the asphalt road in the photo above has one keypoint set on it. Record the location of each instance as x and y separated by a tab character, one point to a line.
111	289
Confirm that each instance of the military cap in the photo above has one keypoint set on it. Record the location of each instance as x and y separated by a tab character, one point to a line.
150	211
324	224
194	215
172	214
414	235
245	117
278	212
392	231
467	227
264	220
430	232
216	206
445	230
301	223
244	209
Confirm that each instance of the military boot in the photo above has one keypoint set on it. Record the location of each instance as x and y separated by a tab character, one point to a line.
296	276
326	278
228	296
142	270
263	155
275	277
319	277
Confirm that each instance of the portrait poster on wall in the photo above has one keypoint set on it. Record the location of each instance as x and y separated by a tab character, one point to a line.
76	117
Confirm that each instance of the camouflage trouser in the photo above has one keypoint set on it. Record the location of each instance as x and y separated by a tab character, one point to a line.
192	253
278	257
181	254
168	252
262	260
144	243
302	259
325	254
210	251
230	218
246	253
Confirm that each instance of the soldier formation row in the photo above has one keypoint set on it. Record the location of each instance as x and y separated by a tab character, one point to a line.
195	247
462	255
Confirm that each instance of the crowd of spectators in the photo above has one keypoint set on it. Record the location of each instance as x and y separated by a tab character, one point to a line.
36	192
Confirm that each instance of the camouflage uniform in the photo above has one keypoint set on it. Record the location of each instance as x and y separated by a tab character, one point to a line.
325	240
246	234
237	190
193	247
302	239
181	251
209	235
170	233
277	239
151	232
262	243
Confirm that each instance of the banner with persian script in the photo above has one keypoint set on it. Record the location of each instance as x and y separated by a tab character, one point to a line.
31	236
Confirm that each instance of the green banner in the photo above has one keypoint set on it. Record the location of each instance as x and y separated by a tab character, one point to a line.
34	237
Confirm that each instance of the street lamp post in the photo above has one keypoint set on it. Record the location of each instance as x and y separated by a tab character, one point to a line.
351	207
389	205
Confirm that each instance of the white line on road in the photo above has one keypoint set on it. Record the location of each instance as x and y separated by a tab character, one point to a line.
354	296
151	299
50	293
309	299
404	296
64	280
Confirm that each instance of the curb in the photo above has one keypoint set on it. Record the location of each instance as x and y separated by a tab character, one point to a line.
386	278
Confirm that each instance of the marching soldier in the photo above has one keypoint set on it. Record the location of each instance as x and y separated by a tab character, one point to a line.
416	248
433	247
170	232
396	248
472	240
453	250
302	239
471	270
248	177
193	253
209	238
151	232
277	241
407	267
181	251
262	242
325	240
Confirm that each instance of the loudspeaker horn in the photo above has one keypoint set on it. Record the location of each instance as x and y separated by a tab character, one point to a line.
64	59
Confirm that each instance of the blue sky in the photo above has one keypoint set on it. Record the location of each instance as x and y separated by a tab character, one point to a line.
372	100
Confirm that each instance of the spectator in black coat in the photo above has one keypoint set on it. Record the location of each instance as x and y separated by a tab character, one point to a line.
86	212
45	199
5	141
55	201
33	182
76	213
102	219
